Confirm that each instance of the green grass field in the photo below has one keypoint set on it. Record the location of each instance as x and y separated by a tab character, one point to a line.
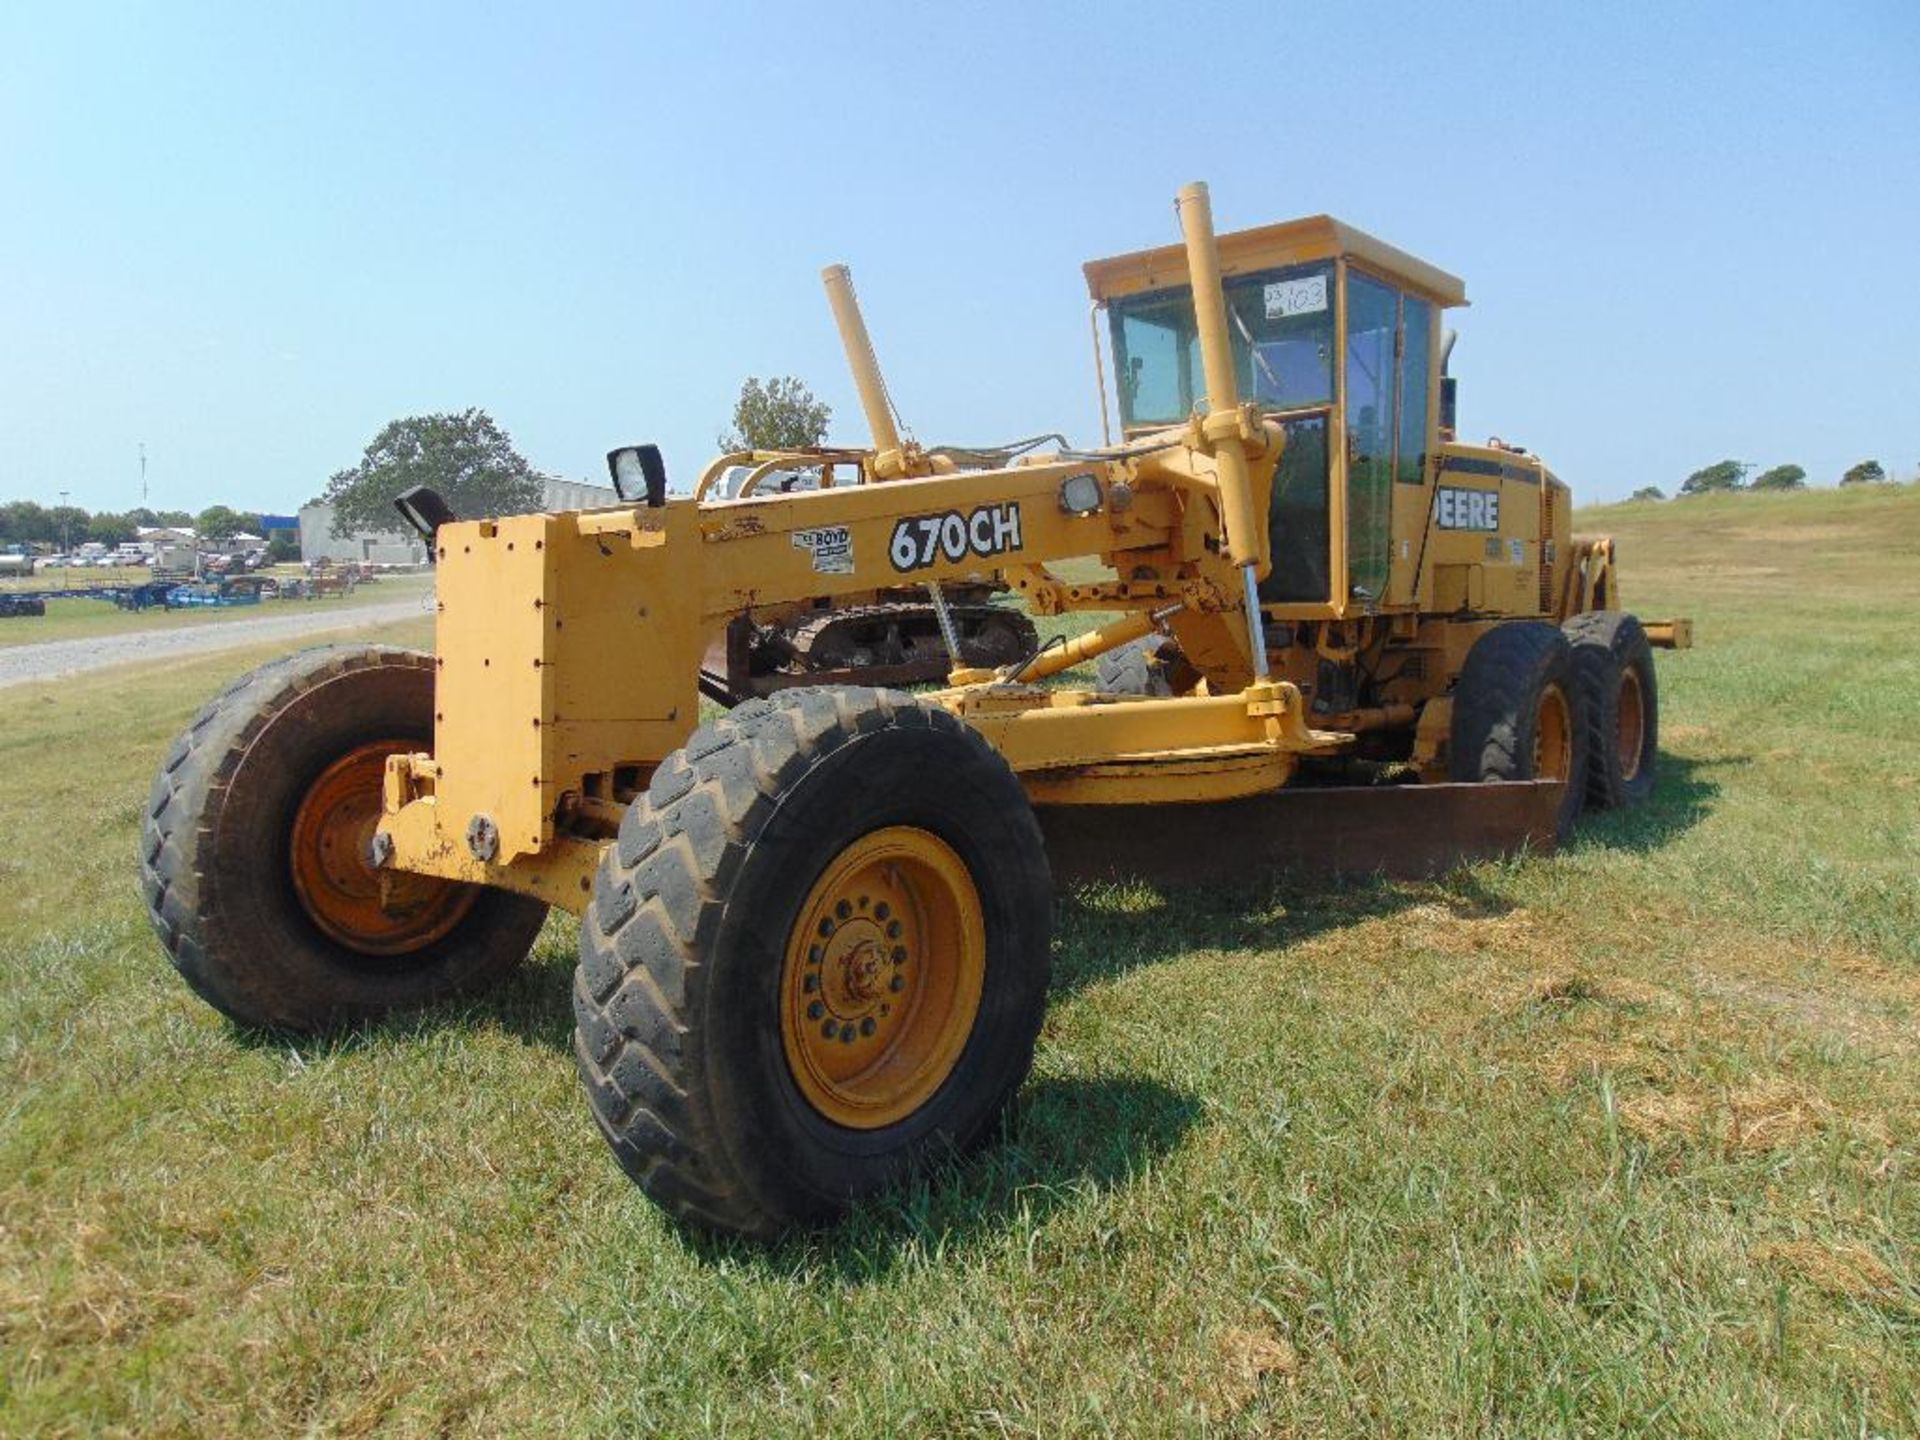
1620	1141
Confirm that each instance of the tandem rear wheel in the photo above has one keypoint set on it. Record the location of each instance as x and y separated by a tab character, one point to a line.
1517	713
815	958
1613	662
1578	703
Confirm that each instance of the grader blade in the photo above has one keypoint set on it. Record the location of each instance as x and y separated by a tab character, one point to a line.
1403	831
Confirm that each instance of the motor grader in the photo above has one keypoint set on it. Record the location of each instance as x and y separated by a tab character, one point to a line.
814	931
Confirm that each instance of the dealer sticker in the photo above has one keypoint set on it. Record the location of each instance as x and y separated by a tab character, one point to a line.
921	540
831	547
1307	296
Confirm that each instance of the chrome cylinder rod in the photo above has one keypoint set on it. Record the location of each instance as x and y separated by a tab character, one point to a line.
1256	622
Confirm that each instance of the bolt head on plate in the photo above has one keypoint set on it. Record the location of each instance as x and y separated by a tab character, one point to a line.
483	837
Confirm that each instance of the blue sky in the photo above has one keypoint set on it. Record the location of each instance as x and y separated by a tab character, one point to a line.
249	235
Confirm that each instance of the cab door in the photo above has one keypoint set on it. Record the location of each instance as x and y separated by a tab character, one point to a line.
1413	465
1371	384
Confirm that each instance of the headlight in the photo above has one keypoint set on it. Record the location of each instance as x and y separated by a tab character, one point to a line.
1080	494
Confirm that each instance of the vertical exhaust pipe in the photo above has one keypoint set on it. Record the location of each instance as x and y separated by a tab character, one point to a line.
888	461
1449	388
1246	540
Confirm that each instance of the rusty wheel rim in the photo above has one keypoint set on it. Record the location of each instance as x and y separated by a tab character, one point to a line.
1553	736
374	912
882	978
1631	729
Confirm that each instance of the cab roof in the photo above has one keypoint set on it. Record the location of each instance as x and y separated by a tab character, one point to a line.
1291	242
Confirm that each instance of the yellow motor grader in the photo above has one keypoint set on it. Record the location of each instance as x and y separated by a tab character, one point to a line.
814	932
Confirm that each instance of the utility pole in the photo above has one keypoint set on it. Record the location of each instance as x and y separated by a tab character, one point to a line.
143	474
66	546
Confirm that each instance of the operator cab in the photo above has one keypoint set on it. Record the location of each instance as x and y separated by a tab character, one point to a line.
1335	334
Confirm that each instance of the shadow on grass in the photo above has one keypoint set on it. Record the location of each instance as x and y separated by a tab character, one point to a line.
534	1004
1068	1141
1106	930
1683	794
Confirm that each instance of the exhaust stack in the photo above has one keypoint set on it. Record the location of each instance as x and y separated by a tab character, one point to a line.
1225	426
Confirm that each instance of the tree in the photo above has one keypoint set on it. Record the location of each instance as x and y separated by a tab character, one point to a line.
68	525
283	546
1726	475
1649	492
23	523
1867	472
468	458
218	523
777	414
174	519
1781	477
110	529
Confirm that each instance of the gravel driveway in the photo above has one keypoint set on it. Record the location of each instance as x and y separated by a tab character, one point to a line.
53	658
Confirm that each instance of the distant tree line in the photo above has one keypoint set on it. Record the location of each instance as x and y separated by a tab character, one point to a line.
1728	476
25	523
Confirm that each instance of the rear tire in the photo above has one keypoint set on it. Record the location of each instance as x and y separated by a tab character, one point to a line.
748	1047
252	858
1619	691
1517	713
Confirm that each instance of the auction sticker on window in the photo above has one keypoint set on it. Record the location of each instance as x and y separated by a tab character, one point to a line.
921	540
1306	296
831	547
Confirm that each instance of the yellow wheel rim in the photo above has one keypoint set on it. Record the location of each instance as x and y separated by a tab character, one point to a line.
1632	729
882	978
1553	736
372	911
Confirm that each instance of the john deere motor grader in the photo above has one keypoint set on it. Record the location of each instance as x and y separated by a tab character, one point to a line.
814	932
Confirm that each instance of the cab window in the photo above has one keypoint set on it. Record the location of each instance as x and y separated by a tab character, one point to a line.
1281	326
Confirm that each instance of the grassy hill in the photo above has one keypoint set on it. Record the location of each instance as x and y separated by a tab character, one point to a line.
1622	1140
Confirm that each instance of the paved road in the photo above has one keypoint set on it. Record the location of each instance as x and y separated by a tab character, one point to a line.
53	658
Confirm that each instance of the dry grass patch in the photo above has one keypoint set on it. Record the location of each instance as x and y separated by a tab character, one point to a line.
1249	1359
1847	1270
1754	1119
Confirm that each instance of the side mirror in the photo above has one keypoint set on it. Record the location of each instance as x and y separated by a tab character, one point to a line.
638	470
424	510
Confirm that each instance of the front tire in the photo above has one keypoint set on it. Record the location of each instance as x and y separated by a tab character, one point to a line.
253	852
1517	713
815	958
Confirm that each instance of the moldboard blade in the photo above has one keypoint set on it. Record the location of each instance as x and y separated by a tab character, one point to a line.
1406	831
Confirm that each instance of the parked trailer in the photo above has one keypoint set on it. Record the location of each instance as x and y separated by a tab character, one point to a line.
191	597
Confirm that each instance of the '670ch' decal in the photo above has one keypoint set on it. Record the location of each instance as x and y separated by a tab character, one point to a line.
921	540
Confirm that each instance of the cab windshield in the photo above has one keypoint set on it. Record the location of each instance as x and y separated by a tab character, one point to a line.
1281	323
